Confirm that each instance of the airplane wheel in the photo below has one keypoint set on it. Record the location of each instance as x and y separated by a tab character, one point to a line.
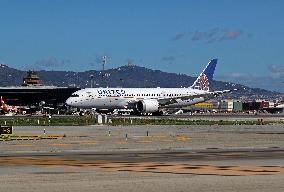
135	113
158	113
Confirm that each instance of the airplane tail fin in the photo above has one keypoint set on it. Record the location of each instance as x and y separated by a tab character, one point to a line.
205	78
3	105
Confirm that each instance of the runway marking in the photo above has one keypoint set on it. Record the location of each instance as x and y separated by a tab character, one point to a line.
88	142
183	138
58	144
23	145
142	167
159	136
167	140
121	142
145	141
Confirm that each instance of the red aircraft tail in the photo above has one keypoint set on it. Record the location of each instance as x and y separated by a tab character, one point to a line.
3	105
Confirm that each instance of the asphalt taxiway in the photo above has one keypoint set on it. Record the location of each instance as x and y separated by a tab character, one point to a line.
150	158
213	116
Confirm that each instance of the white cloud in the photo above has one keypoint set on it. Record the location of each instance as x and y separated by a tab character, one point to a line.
277	71
216	34
231	35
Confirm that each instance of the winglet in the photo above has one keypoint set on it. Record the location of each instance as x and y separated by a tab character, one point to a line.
205	78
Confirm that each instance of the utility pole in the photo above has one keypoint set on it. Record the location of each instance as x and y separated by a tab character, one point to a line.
104	61
91	78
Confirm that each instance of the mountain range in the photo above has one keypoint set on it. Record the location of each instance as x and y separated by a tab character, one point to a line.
130	76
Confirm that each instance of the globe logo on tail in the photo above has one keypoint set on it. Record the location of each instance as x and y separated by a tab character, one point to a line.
203	83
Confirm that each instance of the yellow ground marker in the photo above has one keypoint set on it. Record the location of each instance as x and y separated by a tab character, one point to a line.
121	142
30	137
183	138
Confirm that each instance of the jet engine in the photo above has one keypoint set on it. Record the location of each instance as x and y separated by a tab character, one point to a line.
147	106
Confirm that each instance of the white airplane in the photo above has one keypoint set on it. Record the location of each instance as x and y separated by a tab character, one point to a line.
146	100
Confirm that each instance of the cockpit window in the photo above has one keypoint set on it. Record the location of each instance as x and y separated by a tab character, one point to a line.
75	95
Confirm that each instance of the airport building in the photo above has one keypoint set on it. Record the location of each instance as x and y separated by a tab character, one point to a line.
236	106
33	93
231	106
226	106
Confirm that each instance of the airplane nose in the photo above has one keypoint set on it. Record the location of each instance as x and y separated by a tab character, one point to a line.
68	101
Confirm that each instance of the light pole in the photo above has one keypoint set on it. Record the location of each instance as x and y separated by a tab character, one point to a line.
104	61
91	77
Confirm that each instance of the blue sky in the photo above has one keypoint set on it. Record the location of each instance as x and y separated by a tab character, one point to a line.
173	36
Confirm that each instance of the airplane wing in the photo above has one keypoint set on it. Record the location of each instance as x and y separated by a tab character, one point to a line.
172	100
216	93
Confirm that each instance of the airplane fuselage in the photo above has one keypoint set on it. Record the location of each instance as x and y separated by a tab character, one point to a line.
122	98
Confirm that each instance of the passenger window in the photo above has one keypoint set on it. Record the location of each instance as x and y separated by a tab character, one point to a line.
74	95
